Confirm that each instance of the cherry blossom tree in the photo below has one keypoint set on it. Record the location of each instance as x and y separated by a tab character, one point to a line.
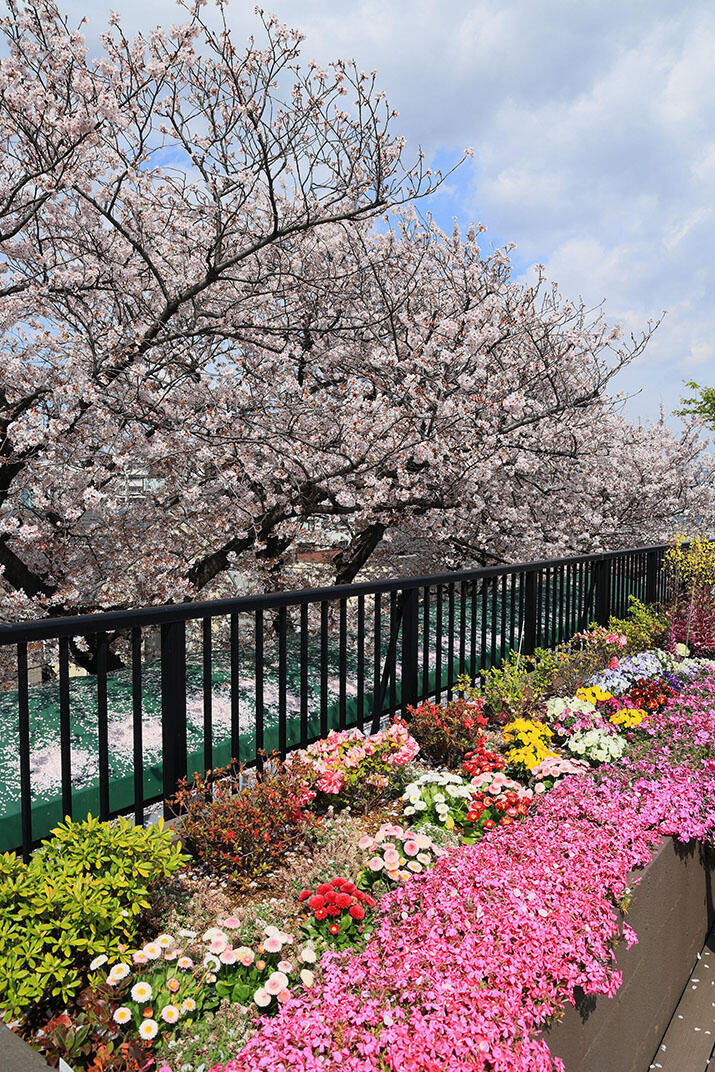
195	290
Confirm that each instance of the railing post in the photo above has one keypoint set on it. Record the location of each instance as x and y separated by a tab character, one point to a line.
603	591
173	708
651	576
409	599
528	637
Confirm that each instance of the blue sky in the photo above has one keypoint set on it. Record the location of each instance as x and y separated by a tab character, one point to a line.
593	125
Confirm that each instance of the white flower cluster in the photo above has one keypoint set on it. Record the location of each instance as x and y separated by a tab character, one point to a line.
436	788
558	704
599	746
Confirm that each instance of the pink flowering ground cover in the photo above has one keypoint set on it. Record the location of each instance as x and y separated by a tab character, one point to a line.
470	960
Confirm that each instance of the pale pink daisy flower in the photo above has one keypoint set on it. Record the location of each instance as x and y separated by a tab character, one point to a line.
170	1014
276	983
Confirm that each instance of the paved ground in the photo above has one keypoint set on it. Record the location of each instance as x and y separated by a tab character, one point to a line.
689	1043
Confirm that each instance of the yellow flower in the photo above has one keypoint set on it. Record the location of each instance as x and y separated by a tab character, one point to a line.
593	694
628	717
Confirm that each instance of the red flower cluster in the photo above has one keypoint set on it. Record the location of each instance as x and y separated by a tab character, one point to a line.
334	898
480	759
649	695
507	806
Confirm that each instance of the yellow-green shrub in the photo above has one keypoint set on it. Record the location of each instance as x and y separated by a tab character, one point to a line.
80	895
645	627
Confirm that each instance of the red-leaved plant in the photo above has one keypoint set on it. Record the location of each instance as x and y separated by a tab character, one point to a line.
244	825
446	732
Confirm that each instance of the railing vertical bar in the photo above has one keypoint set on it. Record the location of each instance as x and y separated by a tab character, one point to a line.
173	709
425	643
342	663
494	650
473	630
512	610
539	607
392	653
483	638
376	659
409	607
102	725
235	685
548	638
438	644
65	733
503	628
450	640
303	675
137	735
324	668
207	690
561	604
463	627
259	696
360	682
24	748
282	685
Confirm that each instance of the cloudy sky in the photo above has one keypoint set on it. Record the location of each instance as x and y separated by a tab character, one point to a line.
593	125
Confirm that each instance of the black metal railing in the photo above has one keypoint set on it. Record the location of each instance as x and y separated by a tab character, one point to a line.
234	677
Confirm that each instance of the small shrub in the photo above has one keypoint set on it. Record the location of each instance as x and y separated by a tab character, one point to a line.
81	895
445	732
245	828
644	628
516	687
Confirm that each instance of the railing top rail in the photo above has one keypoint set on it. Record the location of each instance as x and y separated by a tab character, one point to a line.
106	621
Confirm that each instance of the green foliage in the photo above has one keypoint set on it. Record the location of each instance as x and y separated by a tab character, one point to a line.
512	690
645	627
700	405
215	1038
81	895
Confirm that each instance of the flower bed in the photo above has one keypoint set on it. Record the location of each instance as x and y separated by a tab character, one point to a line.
444	926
